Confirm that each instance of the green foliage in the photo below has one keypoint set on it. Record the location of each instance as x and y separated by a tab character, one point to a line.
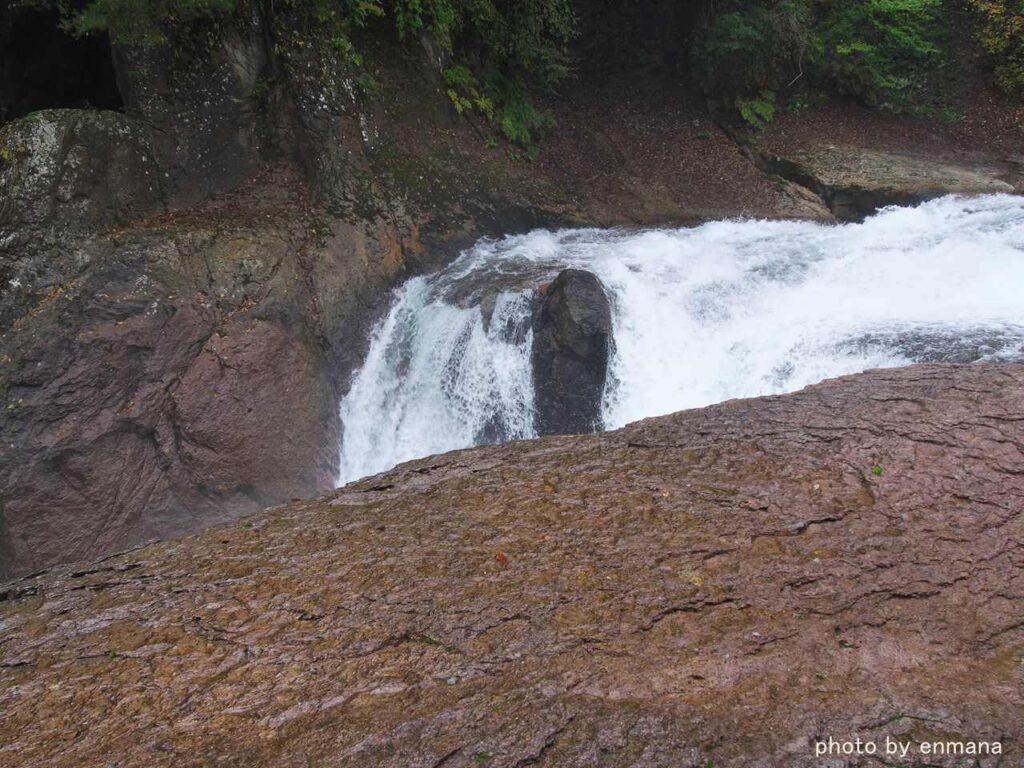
142	22
1000	32
465	92
745	55
518	119
506	104
757	111
883	52
752	50
880	50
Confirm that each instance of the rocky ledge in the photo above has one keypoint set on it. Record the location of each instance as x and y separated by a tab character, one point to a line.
718	587
855	182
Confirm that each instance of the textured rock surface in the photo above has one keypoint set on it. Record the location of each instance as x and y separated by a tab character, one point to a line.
199	96
572	329
856	182
174	381
718	587
63	175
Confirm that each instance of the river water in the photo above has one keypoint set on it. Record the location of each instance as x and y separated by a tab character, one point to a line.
701	315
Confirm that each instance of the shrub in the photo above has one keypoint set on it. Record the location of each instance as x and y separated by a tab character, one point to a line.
883	52
880	50
141	22
759	110
465	92
745	52
1000	32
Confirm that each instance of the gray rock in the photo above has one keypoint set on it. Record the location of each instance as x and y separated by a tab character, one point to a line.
65	174
201	108
572	335
856	182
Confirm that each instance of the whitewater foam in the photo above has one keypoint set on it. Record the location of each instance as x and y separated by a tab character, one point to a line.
727	309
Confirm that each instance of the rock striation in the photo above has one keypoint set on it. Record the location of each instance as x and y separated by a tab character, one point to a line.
723	587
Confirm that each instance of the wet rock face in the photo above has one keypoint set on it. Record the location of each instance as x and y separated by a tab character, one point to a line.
717	587
63	175
159	392
79	169
201	108
572	330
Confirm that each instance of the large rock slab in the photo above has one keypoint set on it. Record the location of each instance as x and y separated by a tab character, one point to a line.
855	182
177	379
718	587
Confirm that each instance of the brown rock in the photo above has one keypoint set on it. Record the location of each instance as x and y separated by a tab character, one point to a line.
717	587
246	409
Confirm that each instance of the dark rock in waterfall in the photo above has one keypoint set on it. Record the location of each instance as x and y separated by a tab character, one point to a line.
572	336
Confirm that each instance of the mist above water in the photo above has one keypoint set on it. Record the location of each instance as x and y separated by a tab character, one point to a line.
700	315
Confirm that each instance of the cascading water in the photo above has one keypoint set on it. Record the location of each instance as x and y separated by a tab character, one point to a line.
728	309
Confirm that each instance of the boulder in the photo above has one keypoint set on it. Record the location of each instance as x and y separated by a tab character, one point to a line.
572	334
724	586
76	168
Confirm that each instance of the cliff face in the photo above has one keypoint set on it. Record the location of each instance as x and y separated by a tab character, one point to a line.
718	587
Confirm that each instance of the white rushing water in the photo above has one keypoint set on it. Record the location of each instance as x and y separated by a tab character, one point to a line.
727	309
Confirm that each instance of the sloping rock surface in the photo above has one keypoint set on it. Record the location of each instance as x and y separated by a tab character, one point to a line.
717	587
856	182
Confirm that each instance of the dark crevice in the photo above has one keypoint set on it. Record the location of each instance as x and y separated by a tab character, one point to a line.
44	67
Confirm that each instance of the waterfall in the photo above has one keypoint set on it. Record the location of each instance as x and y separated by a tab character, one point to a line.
700	315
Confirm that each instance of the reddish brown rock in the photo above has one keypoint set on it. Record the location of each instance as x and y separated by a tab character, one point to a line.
254	385
718	587
171	384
